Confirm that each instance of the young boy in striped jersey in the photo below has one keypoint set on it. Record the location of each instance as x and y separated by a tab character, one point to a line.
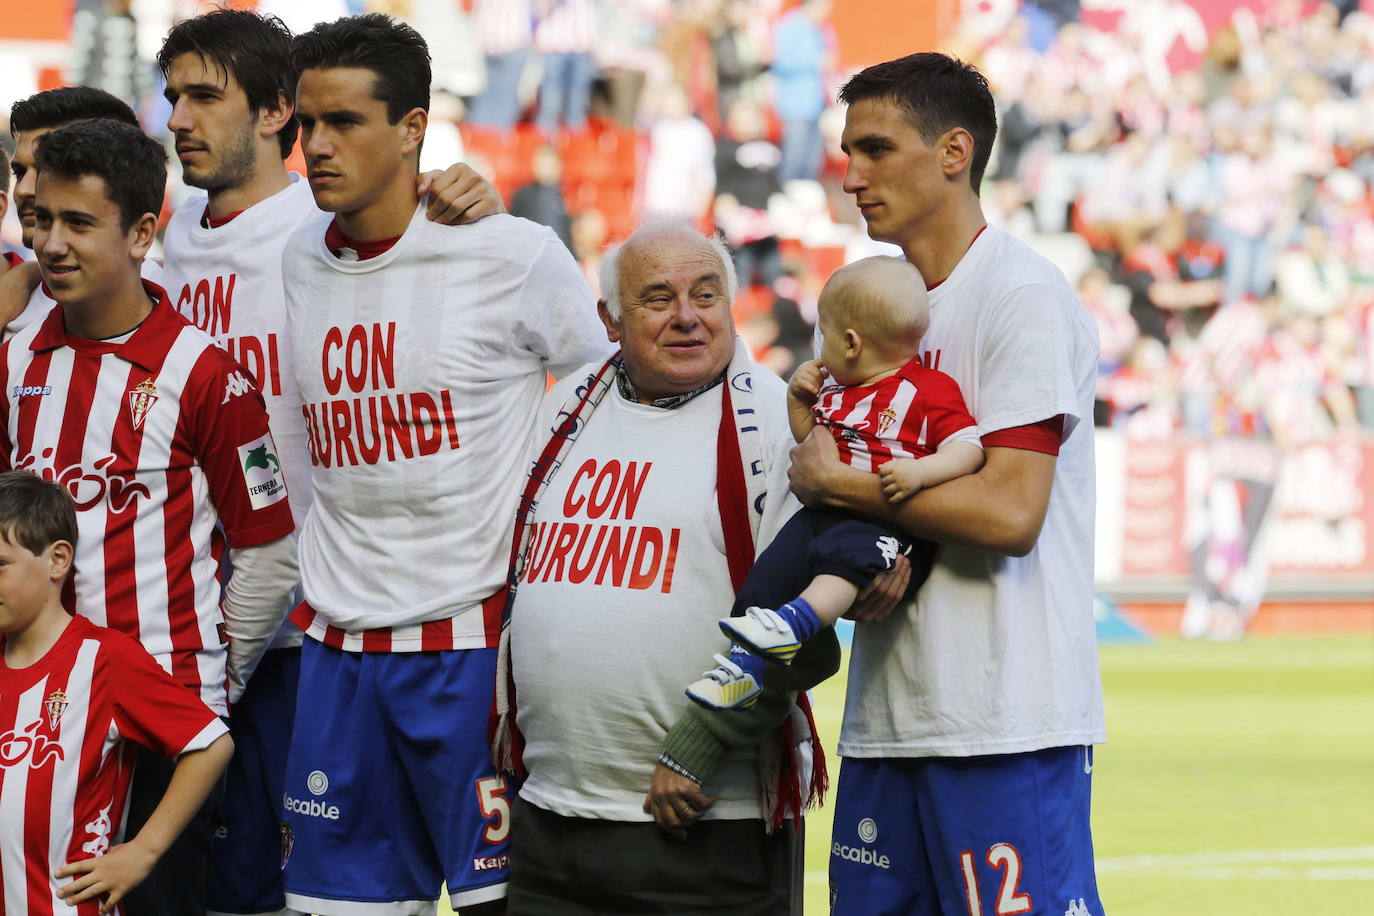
889	415
73	698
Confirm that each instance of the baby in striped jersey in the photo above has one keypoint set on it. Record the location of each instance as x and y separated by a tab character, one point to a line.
74	697
889	415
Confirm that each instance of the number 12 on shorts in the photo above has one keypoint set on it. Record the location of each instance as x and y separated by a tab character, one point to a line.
1004	858
491	798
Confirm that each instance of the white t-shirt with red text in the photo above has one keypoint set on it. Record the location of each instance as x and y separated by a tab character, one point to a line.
159	438
625	579
68	724
907	415
997	654
421	370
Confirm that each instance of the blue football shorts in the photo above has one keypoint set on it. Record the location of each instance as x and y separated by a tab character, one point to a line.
390	788
1000	835
247	842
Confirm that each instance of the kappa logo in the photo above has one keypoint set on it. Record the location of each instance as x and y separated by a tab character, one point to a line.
1078	907
30	391
235	385
141	400
889	547
487	863
99	829
56	705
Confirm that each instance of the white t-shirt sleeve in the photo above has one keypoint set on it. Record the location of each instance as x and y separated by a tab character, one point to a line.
557	319
1027	361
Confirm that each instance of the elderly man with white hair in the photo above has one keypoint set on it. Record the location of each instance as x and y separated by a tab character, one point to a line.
662	473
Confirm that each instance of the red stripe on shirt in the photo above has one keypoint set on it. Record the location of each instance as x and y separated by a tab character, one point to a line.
38	803
1045	436
492	610
436	635
119	548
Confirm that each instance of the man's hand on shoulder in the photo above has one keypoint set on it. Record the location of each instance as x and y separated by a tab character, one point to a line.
675	801
16	286
458	195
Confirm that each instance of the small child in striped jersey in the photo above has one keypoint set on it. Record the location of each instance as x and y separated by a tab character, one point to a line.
73	698
889	415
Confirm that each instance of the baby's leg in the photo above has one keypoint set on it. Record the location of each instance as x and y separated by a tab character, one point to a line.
829	596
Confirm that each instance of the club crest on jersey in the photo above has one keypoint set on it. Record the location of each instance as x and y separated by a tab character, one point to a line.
886	417
141	400
262	472
55	706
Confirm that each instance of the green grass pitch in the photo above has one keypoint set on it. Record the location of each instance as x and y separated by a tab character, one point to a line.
1238	779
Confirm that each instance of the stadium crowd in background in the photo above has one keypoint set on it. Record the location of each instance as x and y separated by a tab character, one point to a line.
1249	174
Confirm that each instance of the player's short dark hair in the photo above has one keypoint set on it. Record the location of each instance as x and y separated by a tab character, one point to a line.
35	513
56	107
395	53
938	93
4	169
132	164
256	49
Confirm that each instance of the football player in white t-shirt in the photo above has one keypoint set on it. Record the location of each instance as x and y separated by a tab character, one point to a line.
421	352
230	84
971	712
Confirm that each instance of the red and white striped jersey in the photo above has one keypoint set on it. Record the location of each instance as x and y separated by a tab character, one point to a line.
65	763
906	415
158	438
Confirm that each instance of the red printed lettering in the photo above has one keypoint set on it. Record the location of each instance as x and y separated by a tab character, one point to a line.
617	557
206	310
645	573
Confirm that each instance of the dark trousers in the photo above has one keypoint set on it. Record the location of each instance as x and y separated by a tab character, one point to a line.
567	866
818	541
177	885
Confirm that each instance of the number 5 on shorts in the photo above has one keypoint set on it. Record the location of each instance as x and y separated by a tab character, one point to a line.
1009	902
491	798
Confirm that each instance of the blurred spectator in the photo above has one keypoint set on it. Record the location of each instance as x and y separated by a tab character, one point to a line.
1116	334
803	48
1153	271
681	174
542	199
627	50
739	60
504	31
1312	281
565	37
589	240
746	177
105	50
1253	186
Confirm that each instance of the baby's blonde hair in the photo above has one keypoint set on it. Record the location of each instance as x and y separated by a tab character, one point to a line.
882	298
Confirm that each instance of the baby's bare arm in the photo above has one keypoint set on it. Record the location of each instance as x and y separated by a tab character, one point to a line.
903	477
802	392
